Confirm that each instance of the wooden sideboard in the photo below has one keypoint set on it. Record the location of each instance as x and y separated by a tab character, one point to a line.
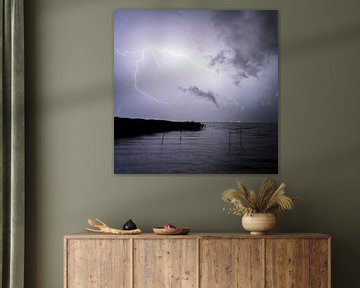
197	260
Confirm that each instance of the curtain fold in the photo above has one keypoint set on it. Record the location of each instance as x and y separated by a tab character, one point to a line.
12	163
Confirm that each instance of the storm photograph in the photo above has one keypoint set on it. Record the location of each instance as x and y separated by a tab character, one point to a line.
196	92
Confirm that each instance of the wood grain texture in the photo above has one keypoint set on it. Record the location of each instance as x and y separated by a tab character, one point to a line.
66	262
231	263
197	260
319	263
287	263
98	264
166	263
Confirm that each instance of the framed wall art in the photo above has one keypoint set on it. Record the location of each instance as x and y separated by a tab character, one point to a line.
196	91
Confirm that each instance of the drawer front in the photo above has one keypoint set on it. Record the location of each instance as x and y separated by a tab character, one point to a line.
98	263
165	263
229	263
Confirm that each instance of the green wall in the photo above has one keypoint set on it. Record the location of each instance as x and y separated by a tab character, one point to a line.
69	85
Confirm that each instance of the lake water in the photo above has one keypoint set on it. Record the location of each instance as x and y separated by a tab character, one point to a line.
221	148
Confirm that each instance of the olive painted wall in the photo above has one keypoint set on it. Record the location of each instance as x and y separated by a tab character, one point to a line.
69	85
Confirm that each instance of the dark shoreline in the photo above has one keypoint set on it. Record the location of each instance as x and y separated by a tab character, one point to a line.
128	127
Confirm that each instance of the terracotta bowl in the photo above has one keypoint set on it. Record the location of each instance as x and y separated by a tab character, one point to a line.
171	231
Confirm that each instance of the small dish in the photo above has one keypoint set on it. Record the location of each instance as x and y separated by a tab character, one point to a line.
171	231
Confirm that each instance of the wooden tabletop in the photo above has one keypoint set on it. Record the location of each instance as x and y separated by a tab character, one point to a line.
89	235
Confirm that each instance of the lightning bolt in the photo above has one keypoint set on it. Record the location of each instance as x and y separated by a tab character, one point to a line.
141	59
137	63
125	53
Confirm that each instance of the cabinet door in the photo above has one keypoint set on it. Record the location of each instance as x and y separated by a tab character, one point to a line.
98	263
165	263
297	263
287	263
231	263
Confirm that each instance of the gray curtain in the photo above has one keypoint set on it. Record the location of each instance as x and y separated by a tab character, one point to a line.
12	190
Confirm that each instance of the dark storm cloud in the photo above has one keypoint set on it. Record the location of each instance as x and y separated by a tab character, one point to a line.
251	36
219	58
197	92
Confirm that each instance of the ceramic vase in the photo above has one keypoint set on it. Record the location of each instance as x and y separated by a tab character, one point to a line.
259	223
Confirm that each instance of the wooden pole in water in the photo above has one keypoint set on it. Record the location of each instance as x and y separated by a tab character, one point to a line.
162	140
229	140
180	136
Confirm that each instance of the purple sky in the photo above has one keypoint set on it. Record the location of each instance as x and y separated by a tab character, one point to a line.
201	65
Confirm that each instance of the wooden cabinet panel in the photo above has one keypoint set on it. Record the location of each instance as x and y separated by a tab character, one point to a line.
319	263
231	263
167	263
98	264
287	263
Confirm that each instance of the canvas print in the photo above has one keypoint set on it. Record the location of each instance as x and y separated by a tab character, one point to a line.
196	91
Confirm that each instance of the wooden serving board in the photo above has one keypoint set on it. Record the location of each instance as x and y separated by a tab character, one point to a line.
171	231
